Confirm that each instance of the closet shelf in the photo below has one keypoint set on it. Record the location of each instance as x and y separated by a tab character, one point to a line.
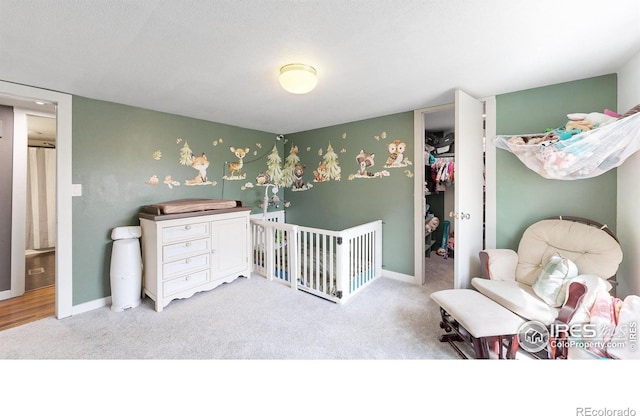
585	155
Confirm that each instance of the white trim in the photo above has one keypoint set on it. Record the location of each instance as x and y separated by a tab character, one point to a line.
91	305
64	263
19	197
490	207
399	276
628	194
418	195
18	202
64	247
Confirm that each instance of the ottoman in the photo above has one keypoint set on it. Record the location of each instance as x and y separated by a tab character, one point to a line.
471	317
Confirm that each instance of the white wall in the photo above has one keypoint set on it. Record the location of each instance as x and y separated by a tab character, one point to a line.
628	202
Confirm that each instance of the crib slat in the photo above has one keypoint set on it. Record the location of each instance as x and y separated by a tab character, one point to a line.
316	263
324	275
304	247
356	260
332	267
358	269
369	256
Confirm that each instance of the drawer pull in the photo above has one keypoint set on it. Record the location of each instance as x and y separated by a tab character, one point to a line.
187	261
187	244
187	227
187	278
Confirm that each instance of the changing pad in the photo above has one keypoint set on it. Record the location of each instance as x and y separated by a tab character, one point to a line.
180	206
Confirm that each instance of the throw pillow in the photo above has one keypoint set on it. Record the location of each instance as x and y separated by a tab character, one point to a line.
550	285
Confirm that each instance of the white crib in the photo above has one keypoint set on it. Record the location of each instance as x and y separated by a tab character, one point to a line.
334	265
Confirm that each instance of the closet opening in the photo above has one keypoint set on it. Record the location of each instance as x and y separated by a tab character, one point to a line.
467	201
439	194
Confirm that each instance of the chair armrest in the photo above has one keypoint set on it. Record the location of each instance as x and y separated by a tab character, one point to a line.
575	294
498	263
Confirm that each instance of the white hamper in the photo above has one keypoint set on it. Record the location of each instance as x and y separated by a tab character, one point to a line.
126	268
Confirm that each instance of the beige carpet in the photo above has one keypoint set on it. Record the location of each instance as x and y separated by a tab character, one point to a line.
439	268
247	319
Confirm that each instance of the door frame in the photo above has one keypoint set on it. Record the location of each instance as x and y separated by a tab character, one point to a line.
418	191
64	264
490	174
19	196
419	178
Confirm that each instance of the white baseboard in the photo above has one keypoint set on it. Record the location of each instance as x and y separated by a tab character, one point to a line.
91	305
100	303
399	276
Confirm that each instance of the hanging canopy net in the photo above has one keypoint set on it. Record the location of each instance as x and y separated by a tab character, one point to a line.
558	154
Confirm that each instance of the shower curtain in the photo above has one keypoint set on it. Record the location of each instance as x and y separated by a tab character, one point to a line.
41	198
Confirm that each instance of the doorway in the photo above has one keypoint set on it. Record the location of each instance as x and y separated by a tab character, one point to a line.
30	100
40	243
473	217
439	193
32	179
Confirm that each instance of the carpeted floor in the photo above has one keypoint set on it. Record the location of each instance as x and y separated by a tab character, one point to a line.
439	268
258	346
247	319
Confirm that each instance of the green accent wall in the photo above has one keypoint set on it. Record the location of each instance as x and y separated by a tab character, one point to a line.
524	197
113	158
349	202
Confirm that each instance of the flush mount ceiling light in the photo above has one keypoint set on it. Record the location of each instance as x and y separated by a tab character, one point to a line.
298	78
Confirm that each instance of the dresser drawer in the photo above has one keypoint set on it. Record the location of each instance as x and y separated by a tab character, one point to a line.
185	249
188	281
184	266
185	232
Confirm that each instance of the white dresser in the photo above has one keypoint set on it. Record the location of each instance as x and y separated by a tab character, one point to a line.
188	253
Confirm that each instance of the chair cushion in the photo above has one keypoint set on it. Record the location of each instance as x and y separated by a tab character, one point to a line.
479	315
517	297
593	250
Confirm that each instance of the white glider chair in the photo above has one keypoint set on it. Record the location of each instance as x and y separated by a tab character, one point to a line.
533	282
555	275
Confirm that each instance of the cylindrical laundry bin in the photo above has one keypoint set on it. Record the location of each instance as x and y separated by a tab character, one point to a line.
126	268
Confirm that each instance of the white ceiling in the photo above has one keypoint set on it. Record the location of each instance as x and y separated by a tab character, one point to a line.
219	60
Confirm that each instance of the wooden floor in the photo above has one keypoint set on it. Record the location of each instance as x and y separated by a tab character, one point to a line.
32	306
